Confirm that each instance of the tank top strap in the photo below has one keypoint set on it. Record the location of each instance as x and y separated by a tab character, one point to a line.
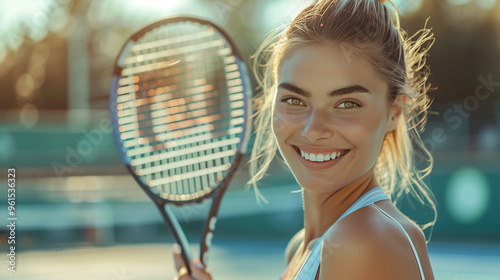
372	196
310	267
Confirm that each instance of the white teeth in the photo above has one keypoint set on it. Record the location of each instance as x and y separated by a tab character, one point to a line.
321	157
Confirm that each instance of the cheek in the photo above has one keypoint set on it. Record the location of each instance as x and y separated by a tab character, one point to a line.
279	123
284	123
364	132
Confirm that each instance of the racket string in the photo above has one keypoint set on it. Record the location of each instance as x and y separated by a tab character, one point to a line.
195	165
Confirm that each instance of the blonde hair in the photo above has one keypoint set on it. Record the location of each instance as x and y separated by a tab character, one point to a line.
367	28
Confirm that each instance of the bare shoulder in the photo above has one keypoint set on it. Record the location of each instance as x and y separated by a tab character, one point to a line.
369	245
293	244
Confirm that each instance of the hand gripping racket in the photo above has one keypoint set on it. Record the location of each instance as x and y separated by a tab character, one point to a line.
180	109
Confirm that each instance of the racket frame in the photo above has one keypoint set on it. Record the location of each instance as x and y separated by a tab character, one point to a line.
218	192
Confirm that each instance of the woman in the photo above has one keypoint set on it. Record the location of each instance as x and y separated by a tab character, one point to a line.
344	98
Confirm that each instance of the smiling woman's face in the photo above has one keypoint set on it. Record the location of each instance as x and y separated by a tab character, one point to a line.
330	116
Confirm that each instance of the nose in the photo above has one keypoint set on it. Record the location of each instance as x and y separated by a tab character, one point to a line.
317	126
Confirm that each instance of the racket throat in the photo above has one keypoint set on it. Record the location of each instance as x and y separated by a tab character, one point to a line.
179	235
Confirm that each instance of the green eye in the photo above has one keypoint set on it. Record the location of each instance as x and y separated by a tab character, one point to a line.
348	105
293	101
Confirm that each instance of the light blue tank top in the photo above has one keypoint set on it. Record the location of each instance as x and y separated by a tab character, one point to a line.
310	267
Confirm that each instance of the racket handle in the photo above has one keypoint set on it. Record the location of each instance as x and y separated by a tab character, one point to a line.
180	237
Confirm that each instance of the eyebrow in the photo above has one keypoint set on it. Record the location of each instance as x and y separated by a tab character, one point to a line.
336	92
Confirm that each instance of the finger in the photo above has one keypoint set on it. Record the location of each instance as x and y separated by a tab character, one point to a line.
179	262
183	275
199	270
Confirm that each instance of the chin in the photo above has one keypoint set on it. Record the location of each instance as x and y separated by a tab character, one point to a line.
320	185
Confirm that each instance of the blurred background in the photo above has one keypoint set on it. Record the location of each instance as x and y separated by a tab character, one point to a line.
81	215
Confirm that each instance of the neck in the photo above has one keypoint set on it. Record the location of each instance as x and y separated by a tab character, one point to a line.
321	210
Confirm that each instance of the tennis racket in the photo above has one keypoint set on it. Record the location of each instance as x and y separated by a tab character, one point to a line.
180	109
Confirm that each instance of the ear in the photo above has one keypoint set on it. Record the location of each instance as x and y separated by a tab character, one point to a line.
396	112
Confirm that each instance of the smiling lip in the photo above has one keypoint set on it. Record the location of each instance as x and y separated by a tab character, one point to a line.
317	150
319	165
